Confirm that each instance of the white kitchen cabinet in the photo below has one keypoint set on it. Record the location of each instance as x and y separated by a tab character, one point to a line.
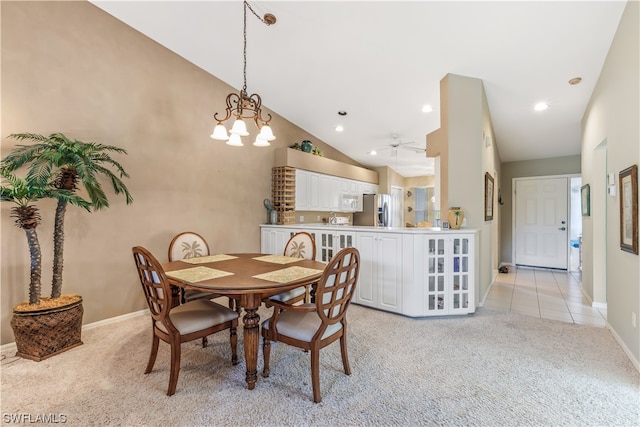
447	271
410	271
273	239
320	192
302	190
330	241
329	193
380	281
364	188
307	190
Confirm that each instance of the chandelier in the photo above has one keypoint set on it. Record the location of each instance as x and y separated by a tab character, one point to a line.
242	106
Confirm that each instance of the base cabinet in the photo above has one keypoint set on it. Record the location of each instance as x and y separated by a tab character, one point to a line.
446	274
415	274
380	281
271	239
329	243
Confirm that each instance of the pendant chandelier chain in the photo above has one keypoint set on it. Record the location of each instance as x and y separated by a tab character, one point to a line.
244	35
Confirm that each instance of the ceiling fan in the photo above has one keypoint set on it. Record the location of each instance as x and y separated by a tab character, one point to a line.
396	145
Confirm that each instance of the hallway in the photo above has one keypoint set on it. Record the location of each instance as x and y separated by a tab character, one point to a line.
548	294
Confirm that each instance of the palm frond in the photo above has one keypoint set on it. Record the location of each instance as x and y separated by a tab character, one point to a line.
21	155
69	197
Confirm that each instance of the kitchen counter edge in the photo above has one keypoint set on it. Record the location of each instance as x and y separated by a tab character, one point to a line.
414	230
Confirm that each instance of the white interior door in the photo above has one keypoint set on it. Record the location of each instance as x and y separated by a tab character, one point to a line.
541	229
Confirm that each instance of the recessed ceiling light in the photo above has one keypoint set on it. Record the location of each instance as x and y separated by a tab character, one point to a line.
575	80
541	106
373	152
339	128
427	108
342	113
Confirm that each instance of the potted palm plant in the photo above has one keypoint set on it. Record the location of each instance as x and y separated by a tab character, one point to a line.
56	165
28	316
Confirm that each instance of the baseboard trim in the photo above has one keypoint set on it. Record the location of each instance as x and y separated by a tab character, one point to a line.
622	345
9	347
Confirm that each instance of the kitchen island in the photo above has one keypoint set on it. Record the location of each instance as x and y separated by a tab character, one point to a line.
412	271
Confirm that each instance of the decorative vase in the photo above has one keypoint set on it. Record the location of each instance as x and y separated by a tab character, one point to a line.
307	146
455	217
45	333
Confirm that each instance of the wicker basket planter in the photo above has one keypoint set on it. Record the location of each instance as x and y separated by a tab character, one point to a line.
45	333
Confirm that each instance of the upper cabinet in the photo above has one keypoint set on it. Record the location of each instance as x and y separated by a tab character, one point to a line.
325	193
325	184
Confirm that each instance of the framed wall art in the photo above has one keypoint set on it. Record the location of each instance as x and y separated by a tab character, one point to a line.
629	209
585	200
488	197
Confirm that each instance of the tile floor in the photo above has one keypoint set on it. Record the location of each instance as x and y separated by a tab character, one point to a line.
543	293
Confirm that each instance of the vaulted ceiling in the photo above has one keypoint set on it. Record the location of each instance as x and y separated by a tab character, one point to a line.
382	61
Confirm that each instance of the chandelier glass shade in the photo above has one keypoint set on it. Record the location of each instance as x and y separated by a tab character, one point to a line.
243	106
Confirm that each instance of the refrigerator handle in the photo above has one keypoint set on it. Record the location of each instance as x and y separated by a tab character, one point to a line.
385	215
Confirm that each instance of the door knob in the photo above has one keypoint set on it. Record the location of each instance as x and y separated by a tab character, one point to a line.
562	228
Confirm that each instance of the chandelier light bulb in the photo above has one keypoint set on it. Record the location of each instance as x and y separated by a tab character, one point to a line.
235	140
239	128
220	133
266	133
260	141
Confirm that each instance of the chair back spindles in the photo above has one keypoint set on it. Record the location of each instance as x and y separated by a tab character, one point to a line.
337	285
154	283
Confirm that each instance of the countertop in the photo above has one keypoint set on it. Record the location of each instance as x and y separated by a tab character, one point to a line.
410	230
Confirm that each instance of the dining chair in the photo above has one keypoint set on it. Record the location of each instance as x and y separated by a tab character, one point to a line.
312	327
191	245
300	245
183	323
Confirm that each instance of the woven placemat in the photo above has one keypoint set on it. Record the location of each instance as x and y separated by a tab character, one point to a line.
278	259
208	258
197	274
288	274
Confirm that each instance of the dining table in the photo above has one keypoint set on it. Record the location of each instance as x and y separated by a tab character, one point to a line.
248	278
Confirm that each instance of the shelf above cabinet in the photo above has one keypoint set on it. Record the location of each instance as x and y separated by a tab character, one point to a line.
298	159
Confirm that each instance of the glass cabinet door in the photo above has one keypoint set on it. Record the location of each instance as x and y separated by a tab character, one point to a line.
435	291
448	275
460	273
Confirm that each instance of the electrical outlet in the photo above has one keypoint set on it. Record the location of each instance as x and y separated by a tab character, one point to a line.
318	218
301	218
634	319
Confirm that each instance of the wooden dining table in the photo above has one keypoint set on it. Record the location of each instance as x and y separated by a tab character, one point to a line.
248	278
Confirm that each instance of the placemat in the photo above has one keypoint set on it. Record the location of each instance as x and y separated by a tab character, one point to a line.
208	258
288	274
197	274
278	259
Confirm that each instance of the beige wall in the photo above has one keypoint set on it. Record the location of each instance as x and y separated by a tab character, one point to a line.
610	144
464	159
69	67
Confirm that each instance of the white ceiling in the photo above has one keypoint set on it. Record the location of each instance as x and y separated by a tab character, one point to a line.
382	61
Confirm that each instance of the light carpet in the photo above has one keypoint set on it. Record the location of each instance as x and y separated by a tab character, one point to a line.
487	369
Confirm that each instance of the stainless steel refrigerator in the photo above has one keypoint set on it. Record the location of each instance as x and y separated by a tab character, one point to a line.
376	211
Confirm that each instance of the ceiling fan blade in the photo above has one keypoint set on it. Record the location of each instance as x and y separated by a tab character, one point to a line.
415	149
